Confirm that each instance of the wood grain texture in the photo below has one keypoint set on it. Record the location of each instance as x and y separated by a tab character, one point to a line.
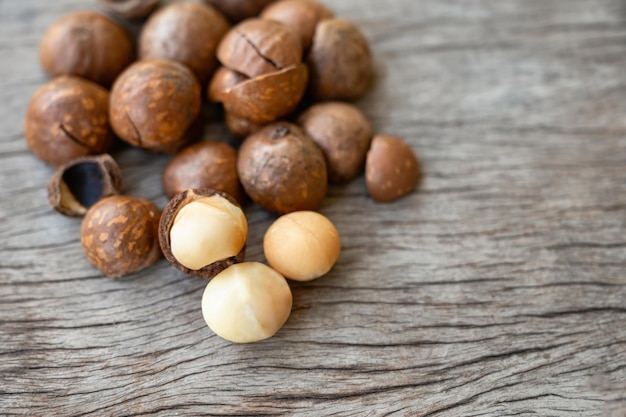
499	289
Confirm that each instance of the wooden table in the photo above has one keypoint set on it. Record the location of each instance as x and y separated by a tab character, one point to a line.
498	289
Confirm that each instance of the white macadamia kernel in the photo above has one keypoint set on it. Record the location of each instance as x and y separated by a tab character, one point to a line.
302	245
207	230
246	302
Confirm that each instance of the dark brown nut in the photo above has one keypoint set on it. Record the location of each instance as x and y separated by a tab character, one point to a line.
240	127
344	135
340	62
392	170
88	45
268	97
119	235
130	9
185	32
237	10
256	47
302	16
223	80
282	169
155	105
67	118
203	232
78	185
208	164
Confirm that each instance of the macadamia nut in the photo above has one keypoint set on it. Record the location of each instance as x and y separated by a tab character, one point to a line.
302	245
246	302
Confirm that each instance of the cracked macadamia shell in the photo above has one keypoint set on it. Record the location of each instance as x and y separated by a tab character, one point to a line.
88	45
302	245
155	105
282	169
119	235
185	32
247	302
67	118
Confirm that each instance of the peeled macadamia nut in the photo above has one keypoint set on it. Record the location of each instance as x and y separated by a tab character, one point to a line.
302	245
67	118
155	105
344	135
392	170
247	302
88	45
202	232
119	235
237	10
282	169
185	32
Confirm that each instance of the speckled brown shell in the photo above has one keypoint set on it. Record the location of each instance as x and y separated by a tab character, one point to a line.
237	10
67	118
79	184
340	62
301	16
268	97
392	170
344	135
256	47
129	9
185	32
208	164
154	105
282	169
88	45
223	79
119	235
169	214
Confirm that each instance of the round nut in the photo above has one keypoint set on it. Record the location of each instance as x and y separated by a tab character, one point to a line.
155	105
223	80
208	164
67	118
340	62
237	10
129	9
202	232
246	303
256	47
391	170
302	245
119	235
185	32
302	16
343	133
88	45
282	169
78	185
267	98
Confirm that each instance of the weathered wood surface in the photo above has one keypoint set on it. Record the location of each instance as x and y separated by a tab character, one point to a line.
497	290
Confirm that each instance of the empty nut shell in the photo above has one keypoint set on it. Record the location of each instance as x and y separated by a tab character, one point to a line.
78	185
130	9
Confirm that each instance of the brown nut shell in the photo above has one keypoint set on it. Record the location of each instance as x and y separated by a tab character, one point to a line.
223	80
237	10
302	16
88	45
67	118
256	47
240	127
78	185
392	170
268	97
169	214
130	9
155	104
119	235
282	169
186	32
343	133
208	164
340	62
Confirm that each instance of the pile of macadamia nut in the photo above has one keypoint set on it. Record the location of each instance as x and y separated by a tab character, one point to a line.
283	72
